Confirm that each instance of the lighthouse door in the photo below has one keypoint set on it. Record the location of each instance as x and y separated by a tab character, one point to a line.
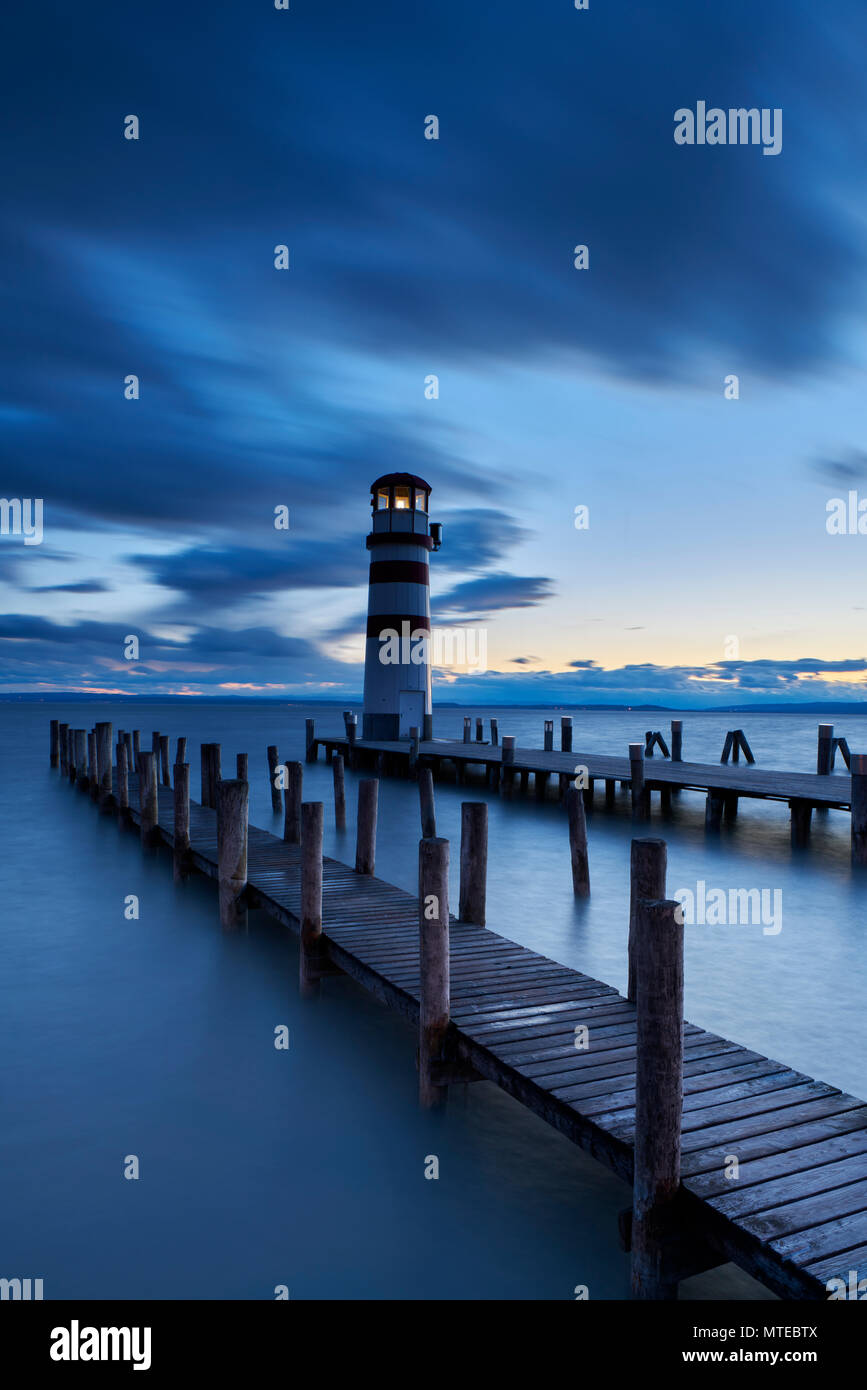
411	712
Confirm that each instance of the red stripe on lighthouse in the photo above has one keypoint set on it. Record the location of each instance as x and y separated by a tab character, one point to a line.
399	572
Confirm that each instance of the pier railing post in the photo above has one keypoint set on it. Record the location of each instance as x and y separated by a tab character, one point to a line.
311	898
474	862
648	860
273	764
677	740
292	797
858	774
566	733
365	834
495	732
578	842
427	804
339	792
181	844
548	738
310	741
55	743
640	799
480	731
825	749
233	799
148	798
434	1006
658	1094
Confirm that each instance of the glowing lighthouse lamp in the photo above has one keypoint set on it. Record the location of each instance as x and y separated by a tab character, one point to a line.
397	675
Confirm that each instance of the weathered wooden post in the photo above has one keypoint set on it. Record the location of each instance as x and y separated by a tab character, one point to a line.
92	777
825	749
181	844
273	764
434	1006
474	862
648	859
677	740
566	733
55	743
62	745
215	772
155	749
467	728
495	733
181	750
292	796
310	741
413	748
130	757
578	843
242	766
136	749
311	898
232	821
610	792
148	799
70	753
339	793
206	772
548	741
351	736
801	816
658	1093
426	803
640	799
103	733
365	842
81	757
507	765
122	783
713	810
164	760
858	773
480	731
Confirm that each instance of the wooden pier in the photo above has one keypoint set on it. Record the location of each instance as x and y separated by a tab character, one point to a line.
760	1165
504	765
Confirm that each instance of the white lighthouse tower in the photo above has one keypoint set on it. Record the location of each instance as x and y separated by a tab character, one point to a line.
397	676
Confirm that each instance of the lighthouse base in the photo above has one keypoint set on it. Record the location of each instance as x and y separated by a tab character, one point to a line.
385	728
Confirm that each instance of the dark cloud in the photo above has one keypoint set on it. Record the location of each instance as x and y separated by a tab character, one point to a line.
492	593
843	472
87	586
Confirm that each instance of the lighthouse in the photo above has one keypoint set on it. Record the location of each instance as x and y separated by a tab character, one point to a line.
397	675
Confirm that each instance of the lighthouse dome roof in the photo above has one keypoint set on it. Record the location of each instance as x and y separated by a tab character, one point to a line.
392	479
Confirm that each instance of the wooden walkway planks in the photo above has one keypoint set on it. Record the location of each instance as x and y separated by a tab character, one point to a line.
796	1215
833	790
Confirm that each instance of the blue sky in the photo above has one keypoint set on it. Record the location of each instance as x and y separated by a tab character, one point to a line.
706	574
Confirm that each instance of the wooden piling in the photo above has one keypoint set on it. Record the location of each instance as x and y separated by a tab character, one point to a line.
474	862
858	773
292	797
825	749
155	749
311	898
164	760
233	799
181	845
647	865
339	793
427	804
578	843
507	765
273	764
215	772
566	733
658	1094
548	744
122	782
610	792
310	740
136	749
55	743
81	757
434	1006
365	835
62	746
130	757
677	740
467	728
181	750
640	799
242	766
480	731
148	799
92	778
495	733
413	748
70	754
104	791
205	749
352	735
802	813
713	810
540	782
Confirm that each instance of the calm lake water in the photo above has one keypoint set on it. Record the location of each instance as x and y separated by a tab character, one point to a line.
305	1167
